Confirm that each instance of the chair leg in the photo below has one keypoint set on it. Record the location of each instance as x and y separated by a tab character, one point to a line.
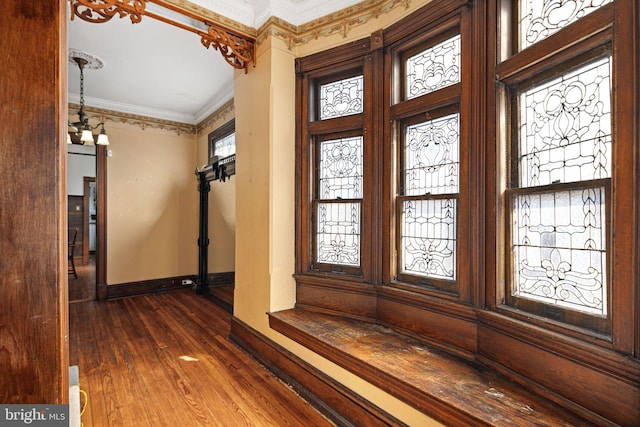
73	267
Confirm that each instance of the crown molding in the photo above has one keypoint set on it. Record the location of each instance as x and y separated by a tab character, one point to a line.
102	114
340	22
99	103
213	106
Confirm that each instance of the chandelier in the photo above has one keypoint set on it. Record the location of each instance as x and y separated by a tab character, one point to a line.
82	130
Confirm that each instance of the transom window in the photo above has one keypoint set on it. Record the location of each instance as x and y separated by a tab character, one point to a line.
226	146
539	19
341	98
222	141
433	68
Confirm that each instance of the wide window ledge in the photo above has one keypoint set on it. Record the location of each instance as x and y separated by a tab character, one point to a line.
444	386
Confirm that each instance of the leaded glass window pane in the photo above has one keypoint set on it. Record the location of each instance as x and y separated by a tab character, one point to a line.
431	156
428	238
565	127
341	98
559	249
541	18
433	68
341	168
338	233
226	146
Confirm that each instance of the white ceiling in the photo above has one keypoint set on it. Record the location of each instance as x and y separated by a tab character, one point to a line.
158	70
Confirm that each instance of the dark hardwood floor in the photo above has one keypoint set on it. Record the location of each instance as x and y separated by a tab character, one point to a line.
83	288
165	360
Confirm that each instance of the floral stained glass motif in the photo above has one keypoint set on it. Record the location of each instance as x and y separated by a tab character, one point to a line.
429	238
559	235
428	225
433	68
341	98
340	171
340	190
432	157
559	249
338	234
565	128
541	18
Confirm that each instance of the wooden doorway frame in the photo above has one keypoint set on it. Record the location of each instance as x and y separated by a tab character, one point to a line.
86	220
101	222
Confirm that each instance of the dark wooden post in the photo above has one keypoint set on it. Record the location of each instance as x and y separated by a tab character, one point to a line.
34	331
203	238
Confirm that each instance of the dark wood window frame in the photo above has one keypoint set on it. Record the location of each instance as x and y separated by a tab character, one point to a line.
578	43
316	265
600	325
225	130
549	356
447	100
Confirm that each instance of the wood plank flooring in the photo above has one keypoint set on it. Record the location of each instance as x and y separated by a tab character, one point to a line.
83	288
164	360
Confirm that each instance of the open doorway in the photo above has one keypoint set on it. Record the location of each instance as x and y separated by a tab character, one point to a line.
85	185
81	180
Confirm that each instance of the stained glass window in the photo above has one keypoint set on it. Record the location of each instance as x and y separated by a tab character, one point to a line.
428	238
341	98
541	18
559	248
341	168
566	127
338	233
433	68
428	224
559	235
431	157
340	189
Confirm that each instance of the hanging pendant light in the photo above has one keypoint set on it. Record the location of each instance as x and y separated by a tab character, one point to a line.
82	129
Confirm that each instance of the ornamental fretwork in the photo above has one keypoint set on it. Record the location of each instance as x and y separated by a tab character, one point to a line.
236	49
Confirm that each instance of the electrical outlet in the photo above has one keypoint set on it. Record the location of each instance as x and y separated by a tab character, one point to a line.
187	282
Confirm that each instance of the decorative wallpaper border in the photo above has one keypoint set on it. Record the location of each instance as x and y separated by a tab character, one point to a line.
340	22
214	17
144	122
228	108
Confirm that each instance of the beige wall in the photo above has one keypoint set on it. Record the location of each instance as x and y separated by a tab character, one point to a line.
265	192
152	204
253	144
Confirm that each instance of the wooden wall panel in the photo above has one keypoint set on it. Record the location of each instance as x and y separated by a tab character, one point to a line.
357	301
573	384
34	351
453	332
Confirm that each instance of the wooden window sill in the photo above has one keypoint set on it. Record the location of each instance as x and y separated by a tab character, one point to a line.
444	386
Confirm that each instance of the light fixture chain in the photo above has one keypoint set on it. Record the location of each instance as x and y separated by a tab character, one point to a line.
81	89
